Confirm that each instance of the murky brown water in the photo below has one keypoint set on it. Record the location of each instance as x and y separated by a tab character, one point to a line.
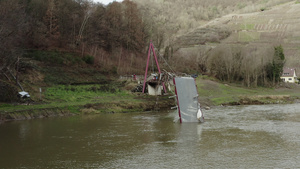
232	137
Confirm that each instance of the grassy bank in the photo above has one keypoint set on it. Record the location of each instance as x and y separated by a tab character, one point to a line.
212	92
116	97
78	97
84	99
63	100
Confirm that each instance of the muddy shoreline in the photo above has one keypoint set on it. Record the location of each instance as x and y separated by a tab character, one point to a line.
265	99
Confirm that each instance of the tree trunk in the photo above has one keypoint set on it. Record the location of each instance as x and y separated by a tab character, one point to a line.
119	64
273	79
248	80
255	84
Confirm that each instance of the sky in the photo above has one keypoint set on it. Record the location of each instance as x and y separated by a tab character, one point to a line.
105	2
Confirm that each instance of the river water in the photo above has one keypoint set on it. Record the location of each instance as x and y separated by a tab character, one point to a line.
266	136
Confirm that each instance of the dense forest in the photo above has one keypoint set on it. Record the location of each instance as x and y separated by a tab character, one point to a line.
71	25
115	37
108	38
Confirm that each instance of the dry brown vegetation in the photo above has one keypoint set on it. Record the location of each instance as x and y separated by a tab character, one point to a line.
194	36
110	38
231	40
171	18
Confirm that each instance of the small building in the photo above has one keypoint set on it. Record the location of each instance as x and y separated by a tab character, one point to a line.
154	86
289	75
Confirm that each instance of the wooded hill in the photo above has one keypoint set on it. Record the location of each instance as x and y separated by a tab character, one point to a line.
38	37
192	35
108	33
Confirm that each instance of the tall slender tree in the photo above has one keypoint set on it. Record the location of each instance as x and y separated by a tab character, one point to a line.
277	64
114	22
96	30
13	28
134	37
51	22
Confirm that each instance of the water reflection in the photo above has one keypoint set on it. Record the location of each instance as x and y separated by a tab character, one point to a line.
232	137
24	130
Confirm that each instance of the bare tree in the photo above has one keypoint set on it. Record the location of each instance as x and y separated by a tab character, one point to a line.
13	28
247	64
52	24
12	31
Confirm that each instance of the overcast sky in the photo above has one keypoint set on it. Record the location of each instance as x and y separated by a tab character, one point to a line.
105	2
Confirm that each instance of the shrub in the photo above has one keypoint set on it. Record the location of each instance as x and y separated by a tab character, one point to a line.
8	93
88	59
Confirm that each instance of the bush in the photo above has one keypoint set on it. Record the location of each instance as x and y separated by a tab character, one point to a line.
88	59
262	9
8	93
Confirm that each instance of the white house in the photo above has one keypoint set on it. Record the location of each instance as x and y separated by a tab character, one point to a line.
289	75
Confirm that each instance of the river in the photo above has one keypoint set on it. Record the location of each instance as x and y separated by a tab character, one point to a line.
265	136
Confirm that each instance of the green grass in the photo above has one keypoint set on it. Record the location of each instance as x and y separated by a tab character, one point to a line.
247	26
109	97
73	97
219	93
248	36
5	105
83	94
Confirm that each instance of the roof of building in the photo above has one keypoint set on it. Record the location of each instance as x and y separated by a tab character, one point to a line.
288	72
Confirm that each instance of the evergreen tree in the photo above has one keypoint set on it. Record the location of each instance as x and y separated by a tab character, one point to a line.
277	64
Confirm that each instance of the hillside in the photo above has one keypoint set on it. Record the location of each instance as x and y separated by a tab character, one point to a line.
42	69
222	39
168	19
276	25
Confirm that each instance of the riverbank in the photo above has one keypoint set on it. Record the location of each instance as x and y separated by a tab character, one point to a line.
140	103
65	100
213	92
116	97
